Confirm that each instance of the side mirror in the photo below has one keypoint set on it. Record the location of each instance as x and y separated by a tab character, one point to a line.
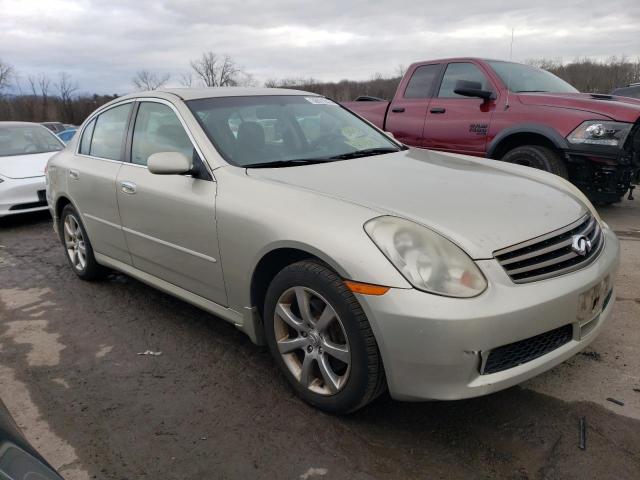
468	88
169	163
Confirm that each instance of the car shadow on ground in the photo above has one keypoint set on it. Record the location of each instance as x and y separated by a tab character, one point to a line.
212	405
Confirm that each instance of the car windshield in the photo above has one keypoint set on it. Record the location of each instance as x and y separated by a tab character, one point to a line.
521	78
26	140
286	130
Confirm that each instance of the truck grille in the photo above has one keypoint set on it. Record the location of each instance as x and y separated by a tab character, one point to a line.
514	354
552	254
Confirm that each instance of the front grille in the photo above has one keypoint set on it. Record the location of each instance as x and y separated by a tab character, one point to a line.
514	354
552	254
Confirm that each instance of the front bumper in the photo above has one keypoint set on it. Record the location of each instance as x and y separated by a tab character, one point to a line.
433	347
22	195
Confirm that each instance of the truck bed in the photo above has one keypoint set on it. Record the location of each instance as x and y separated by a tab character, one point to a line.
374	111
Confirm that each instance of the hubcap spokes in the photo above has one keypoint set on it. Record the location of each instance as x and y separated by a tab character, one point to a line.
74	243
312	340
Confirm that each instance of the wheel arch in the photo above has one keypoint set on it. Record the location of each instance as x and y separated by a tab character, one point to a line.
531	134
276	259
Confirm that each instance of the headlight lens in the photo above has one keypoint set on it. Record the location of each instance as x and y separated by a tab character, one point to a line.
597	132
426	259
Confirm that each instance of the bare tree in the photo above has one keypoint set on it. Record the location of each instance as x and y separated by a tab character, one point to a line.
219	72
400	70
66	87
6	72
186	79
146	80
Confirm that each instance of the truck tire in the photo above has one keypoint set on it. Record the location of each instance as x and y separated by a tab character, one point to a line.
535	156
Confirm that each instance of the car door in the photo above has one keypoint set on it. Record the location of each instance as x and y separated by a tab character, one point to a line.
407	112
169	220
456	123
92	174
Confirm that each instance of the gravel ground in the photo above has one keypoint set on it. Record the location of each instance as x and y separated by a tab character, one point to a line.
213	406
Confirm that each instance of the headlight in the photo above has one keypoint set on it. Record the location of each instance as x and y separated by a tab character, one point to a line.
596	132
426	259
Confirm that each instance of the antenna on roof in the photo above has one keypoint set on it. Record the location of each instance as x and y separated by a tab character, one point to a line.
506	105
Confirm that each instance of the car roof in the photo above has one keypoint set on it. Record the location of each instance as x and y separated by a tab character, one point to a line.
211	92
20	124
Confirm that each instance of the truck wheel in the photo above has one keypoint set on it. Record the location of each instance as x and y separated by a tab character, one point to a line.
534	156
321	339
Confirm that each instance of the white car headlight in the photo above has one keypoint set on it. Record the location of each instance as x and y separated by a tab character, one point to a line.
426	259
598	132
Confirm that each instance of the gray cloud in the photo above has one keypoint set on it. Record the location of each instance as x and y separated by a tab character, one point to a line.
102	43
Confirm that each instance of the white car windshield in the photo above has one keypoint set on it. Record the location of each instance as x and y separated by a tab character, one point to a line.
271	131
26	140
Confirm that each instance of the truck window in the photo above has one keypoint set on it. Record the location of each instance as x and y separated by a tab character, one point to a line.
421	81
460	71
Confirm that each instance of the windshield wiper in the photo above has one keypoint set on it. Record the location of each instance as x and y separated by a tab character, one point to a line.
288	163
365	153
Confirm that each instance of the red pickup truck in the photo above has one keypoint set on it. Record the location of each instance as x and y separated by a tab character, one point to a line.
516	113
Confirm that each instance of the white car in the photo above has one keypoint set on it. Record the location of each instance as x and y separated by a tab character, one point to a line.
25	149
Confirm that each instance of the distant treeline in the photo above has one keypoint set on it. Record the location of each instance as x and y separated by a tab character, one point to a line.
584	74
47	100
36	108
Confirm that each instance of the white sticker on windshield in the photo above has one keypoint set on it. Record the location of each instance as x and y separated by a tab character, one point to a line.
320	101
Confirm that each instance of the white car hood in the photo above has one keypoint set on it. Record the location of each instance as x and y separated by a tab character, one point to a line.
24	166
482	205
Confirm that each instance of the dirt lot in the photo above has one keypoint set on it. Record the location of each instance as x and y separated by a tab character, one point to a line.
213	406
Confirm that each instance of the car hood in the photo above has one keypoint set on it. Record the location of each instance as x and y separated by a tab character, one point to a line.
623	109
482	205
24	166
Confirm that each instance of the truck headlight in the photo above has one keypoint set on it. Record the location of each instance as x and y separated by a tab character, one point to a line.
426	259
598	132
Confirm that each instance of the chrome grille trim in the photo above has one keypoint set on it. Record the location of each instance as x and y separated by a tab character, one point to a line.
551	255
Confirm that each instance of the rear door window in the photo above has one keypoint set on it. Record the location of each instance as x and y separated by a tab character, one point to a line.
461	71
421	82
109	133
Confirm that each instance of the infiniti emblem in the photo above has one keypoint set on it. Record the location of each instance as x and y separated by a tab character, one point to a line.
581	245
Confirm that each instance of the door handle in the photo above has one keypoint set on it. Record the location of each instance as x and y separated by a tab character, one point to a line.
74	174
128	187
397	109
438	110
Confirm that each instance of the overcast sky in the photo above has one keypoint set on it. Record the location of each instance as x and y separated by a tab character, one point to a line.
103	43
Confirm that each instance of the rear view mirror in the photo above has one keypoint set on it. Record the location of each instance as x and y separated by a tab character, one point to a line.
467	88
169	163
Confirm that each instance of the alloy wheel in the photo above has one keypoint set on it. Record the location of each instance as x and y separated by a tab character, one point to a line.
312	340
74	243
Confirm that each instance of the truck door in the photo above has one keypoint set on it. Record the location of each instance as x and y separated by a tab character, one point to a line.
456	123
408	110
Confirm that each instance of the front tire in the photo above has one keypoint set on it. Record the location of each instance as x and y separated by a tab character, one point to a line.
535	156
77	246
321	339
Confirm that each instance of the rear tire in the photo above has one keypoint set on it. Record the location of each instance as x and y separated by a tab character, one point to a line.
535	156
333	364
77	246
